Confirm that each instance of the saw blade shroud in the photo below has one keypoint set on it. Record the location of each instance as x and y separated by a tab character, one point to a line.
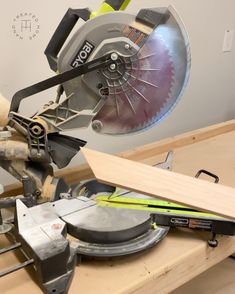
154	80
143	83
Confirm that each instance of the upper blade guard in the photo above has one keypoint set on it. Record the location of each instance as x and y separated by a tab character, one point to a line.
155	80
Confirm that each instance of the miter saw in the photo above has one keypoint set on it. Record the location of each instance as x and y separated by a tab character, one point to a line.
119	73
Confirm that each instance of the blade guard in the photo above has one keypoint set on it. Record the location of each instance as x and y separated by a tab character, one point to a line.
157	78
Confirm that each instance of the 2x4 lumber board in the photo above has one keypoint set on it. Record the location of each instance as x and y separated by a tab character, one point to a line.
142	153
162	184
165	145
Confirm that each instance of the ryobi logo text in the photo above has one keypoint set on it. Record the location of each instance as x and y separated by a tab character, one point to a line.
83	54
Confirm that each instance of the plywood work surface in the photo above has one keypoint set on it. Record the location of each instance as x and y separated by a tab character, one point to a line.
181	256
217	280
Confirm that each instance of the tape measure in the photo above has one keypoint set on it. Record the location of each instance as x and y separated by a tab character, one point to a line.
152	205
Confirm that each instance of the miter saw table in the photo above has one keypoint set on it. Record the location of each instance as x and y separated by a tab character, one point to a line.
182	255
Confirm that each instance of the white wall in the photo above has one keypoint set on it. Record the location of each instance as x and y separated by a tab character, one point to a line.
209	97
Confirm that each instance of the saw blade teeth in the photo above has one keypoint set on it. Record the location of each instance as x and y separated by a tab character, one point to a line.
164	109
146	97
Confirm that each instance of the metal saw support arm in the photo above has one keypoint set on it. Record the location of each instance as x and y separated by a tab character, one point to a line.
57	80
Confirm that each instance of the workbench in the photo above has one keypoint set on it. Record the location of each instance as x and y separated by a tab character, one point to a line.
181	256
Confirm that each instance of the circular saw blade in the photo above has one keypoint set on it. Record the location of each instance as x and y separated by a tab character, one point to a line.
153	81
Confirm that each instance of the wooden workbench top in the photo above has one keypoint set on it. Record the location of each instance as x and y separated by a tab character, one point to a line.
182	255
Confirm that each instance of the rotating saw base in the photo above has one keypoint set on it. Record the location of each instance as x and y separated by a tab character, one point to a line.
143	242
103	231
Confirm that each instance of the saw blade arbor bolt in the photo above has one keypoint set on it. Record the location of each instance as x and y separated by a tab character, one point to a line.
112	66
127	46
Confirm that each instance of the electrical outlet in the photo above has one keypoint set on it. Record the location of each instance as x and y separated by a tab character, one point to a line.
228	41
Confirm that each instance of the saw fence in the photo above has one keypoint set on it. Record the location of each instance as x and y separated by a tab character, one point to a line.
182	255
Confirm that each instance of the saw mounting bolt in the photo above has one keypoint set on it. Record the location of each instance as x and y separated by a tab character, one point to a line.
114	56
97	125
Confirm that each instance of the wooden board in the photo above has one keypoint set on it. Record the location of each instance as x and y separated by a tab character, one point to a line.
162	184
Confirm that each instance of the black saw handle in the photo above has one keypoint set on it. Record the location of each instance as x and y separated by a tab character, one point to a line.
62	32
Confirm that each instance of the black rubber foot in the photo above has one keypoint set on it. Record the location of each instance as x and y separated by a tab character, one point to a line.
213	243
